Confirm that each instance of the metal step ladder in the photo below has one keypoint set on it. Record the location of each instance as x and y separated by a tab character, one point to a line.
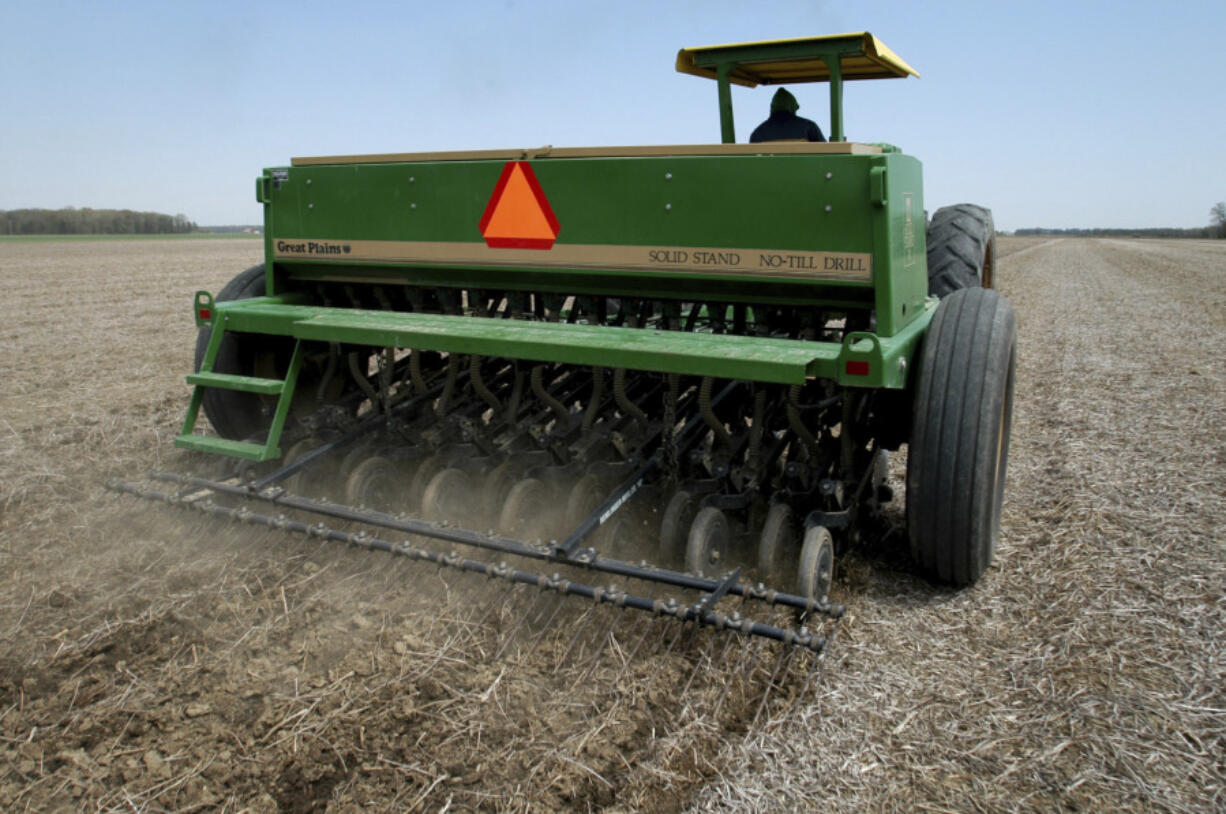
206	378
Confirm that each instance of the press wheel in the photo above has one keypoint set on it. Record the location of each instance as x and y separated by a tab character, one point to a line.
709	543
524	513
374	483
675	526
585	497
449	497
619	538
497	485
816	572
426	470
778	544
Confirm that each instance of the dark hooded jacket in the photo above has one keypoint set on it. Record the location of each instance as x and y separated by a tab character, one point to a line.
784	123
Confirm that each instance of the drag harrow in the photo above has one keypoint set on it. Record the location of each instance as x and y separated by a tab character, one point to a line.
209	497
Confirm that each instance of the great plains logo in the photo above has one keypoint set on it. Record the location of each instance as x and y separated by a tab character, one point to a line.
311	247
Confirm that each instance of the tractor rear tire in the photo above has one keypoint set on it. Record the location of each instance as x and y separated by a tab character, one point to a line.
961	249
959	446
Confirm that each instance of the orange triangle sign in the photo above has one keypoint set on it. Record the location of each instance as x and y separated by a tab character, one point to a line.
518	215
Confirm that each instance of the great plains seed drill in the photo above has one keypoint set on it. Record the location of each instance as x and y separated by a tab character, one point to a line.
674	366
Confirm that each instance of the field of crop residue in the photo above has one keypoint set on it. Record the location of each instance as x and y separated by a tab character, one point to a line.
152	660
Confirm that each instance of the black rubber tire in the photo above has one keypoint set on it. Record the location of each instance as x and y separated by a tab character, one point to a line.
709	543
619	537
584	498
961	249
354	457
374	483
232	413
815	573
675	526
313	480
778	544
497	484
426	469
959	448
449	497
525	513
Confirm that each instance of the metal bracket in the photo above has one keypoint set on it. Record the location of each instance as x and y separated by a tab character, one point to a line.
831	520
710	600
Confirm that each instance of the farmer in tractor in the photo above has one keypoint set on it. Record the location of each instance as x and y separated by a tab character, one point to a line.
784	124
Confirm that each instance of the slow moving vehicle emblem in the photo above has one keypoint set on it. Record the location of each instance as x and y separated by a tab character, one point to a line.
518	215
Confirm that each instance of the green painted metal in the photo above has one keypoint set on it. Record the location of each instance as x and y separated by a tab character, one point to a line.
766	203
859	204
762	359
834	65
887	357
245	450
900	262
727	127
775	202
229	381
283	404
205	378
725	356
206	366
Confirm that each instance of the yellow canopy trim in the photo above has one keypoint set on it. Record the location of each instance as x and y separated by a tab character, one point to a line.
778	62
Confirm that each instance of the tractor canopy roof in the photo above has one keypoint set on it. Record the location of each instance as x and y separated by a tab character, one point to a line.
832	59
801	59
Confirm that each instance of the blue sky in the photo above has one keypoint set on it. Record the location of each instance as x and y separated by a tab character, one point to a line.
1051	113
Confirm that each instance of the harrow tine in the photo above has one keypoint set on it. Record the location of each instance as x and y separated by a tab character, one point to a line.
510	635
814	669
736	668
680	629
587	617
536	640
634	650
691	636
605	639
505	597
766	693
706	654
723	656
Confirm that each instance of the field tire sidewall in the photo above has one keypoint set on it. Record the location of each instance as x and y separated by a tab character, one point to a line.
958	456
961	249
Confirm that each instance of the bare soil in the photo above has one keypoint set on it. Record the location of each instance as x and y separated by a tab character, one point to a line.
152	660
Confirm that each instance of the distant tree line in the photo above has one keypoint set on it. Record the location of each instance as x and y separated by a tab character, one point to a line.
1216	228
1217	215
72	221
1201	232
230	229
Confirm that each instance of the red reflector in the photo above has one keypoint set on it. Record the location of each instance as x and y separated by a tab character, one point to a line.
206	313
857	367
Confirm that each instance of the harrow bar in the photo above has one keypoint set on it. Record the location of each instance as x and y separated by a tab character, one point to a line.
587	558
699	613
